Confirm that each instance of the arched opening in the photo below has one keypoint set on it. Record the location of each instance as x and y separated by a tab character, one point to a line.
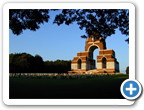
93	52
104	62
79	64
91	49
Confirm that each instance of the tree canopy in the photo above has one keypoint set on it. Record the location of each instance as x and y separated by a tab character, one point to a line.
103	21
22	19
26	63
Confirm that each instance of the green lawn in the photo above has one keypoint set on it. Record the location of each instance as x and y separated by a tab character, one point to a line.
107	87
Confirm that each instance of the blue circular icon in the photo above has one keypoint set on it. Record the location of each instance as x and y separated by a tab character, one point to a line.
130	89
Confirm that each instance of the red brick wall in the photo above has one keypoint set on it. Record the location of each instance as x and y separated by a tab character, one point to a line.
106	52
83	54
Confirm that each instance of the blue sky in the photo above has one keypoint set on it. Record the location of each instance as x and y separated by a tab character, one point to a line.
62	42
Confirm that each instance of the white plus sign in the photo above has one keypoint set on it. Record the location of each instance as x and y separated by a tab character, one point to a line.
131	89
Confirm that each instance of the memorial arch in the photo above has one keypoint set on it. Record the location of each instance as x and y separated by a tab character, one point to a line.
106	61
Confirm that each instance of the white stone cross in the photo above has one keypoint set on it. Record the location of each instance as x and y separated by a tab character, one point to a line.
131	89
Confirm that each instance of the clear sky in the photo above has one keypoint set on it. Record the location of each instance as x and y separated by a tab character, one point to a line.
62	42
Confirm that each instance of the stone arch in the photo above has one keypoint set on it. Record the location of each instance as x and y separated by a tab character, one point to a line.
91	50
104	62
93	47
79	63
92	59
103	57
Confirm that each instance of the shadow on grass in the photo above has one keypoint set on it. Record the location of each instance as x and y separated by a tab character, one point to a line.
107	87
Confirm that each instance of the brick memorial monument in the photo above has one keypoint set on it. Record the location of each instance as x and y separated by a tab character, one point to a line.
84	62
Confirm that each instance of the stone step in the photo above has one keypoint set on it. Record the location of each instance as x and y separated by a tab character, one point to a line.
93	70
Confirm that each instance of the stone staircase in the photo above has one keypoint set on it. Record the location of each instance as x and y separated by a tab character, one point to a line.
94	70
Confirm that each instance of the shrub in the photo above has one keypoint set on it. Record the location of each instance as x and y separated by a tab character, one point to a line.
127	70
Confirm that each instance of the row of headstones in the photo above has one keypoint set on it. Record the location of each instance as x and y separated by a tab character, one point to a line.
33	75
90	75
56	75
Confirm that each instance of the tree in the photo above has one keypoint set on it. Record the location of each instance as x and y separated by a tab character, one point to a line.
127	70
58	66
38	59
21	62
39	63
103	21
22	19
26	63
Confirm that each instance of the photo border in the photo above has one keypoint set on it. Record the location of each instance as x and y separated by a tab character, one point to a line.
93	5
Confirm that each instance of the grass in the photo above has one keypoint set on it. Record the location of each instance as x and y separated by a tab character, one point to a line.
107	87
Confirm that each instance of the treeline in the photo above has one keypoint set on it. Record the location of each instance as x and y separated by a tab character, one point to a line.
26	63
